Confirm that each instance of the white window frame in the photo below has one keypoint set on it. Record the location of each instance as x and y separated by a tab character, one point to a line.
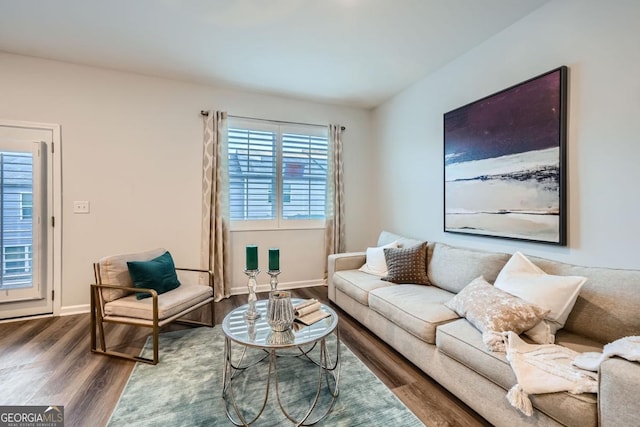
278	223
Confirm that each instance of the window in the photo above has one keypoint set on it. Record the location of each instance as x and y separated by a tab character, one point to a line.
26	206
17	262
277	174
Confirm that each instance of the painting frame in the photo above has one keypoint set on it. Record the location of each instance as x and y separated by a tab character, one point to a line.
505	163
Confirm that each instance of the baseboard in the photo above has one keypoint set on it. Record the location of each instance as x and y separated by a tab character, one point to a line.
19	319
64	311
86	308
75	309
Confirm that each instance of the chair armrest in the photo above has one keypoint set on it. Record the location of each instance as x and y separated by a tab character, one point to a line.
619	388
98	303
153	292
343	261
199	270
96	287
124	288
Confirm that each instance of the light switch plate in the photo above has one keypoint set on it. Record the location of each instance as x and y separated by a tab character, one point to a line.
81	207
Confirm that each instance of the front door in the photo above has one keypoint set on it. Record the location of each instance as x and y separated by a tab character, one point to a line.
25	280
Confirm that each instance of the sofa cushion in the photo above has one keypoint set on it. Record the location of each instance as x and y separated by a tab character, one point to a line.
494	311
403	242
357	284
417	309
463	343
169	303
607	306
114	271
407	265
454	268
576	342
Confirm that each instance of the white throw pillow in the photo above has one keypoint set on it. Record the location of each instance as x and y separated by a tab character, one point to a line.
376	263
524	279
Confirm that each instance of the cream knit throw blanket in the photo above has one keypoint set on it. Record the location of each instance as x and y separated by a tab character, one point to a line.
544	368
627	348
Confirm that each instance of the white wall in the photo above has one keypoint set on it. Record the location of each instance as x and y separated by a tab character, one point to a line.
302	257
598	41
132	146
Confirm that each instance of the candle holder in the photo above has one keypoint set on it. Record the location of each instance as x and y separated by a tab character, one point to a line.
251	330
274	279
280	311
251	313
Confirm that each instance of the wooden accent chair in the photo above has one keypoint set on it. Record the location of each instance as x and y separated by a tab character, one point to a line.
113	300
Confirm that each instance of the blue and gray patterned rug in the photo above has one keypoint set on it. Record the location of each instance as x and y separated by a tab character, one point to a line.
185	388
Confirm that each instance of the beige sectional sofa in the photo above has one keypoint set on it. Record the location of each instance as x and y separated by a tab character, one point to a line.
413	320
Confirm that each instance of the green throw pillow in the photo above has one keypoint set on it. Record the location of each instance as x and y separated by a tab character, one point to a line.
407	265
158	274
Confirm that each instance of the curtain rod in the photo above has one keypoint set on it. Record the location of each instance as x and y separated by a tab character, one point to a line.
206	113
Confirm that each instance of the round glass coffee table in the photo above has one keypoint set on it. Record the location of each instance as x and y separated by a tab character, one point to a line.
307	346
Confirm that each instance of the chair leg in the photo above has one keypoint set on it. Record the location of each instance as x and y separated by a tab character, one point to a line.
156	331
213	317
101	336
127	356
93	320
97	326
103	350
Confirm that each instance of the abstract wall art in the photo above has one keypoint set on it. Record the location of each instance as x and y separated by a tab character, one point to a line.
504	162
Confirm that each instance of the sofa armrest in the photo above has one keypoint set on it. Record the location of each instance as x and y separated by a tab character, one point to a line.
343	261
619	388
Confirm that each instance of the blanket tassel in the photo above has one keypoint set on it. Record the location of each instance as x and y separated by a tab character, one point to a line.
495	341
519	399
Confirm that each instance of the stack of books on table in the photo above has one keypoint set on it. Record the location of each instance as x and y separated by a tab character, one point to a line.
309	312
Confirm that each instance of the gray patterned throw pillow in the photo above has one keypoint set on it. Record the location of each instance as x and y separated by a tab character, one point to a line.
407	265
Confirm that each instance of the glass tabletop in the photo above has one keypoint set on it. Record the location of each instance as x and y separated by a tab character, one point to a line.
258	333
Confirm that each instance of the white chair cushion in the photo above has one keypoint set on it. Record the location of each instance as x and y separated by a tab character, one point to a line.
169	304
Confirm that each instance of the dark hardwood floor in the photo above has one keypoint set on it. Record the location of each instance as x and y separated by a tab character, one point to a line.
48	362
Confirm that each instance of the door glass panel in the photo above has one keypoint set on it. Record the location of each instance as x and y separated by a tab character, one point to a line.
20	221
16	219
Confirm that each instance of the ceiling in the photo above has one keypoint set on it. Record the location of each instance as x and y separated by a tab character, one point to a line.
349	52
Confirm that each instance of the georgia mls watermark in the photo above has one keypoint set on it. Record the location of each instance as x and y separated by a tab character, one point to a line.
31	416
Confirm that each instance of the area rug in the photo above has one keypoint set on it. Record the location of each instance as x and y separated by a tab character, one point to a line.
185	388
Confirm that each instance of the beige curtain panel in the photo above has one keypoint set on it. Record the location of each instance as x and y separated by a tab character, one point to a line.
334	231
215	254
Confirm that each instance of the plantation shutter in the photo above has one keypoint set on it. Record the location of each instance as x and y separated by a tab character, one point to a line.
277	174
304	176
252	174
